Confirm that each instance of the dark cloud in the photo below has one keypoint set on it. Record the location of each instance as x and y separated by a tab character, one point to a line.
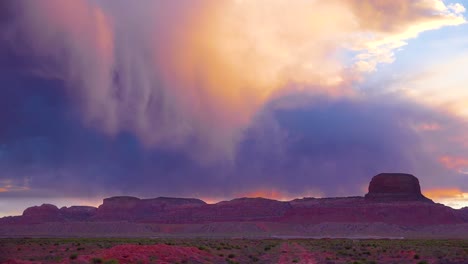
336	145
297	144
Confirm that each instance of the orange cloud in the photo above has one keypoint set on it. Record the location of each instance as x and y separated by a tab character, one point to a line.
11	185
400	15
267	193
454	162
11	188
179	72
453	197
443	193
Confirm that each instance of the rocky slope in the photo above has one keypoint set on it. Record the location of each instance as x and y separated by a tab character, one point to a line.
464	213
392	200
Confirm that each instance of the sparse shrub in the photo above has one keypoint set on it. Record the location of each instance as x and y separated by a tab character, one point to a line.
202	248
74	256
422	262
111	261
96	261
254	258
416	256
51	257
231	256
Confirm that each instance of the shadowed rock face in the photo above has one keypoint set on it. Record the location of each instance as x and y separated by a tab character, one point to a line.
394	187
78	212
50	213
464	213
242	209
133	208
43	213
45	210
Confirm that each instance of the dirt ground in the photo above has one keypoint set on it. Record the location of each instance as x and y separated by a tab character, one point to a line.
198	250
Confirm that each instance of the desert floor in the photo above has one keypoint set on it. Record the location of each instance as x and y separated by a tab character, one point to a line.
218	250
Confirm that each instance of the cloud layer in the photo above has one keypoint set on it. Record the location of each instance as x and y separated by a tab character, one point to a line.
186	72
213	98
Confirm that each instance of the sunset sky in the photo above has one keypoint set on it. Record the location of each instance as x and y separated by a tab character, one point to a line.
217	99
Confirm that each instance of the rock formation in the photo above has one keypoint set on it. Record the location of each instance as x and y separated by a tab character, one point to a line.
43	213
394	187
50	213
242	209
133	208
79	213
393	199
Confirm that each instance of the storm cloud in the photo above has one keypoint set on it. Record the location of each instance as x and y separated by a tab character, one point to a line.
214	99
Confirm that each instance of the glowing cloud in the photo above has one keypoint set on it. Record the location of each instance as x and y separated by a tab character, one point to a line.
453	197
180	73
443	193
443	84
386	25
268	193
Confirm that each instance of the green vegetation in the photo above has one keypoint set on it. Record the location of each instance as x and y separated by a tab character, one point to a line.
97	260
220	250
111	261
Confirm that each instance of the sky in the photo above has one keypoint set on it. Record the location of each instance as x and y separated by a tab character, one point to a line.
233	98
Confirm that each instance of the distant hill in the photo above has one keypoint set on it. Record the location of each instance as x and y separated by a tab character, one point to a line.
394	206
